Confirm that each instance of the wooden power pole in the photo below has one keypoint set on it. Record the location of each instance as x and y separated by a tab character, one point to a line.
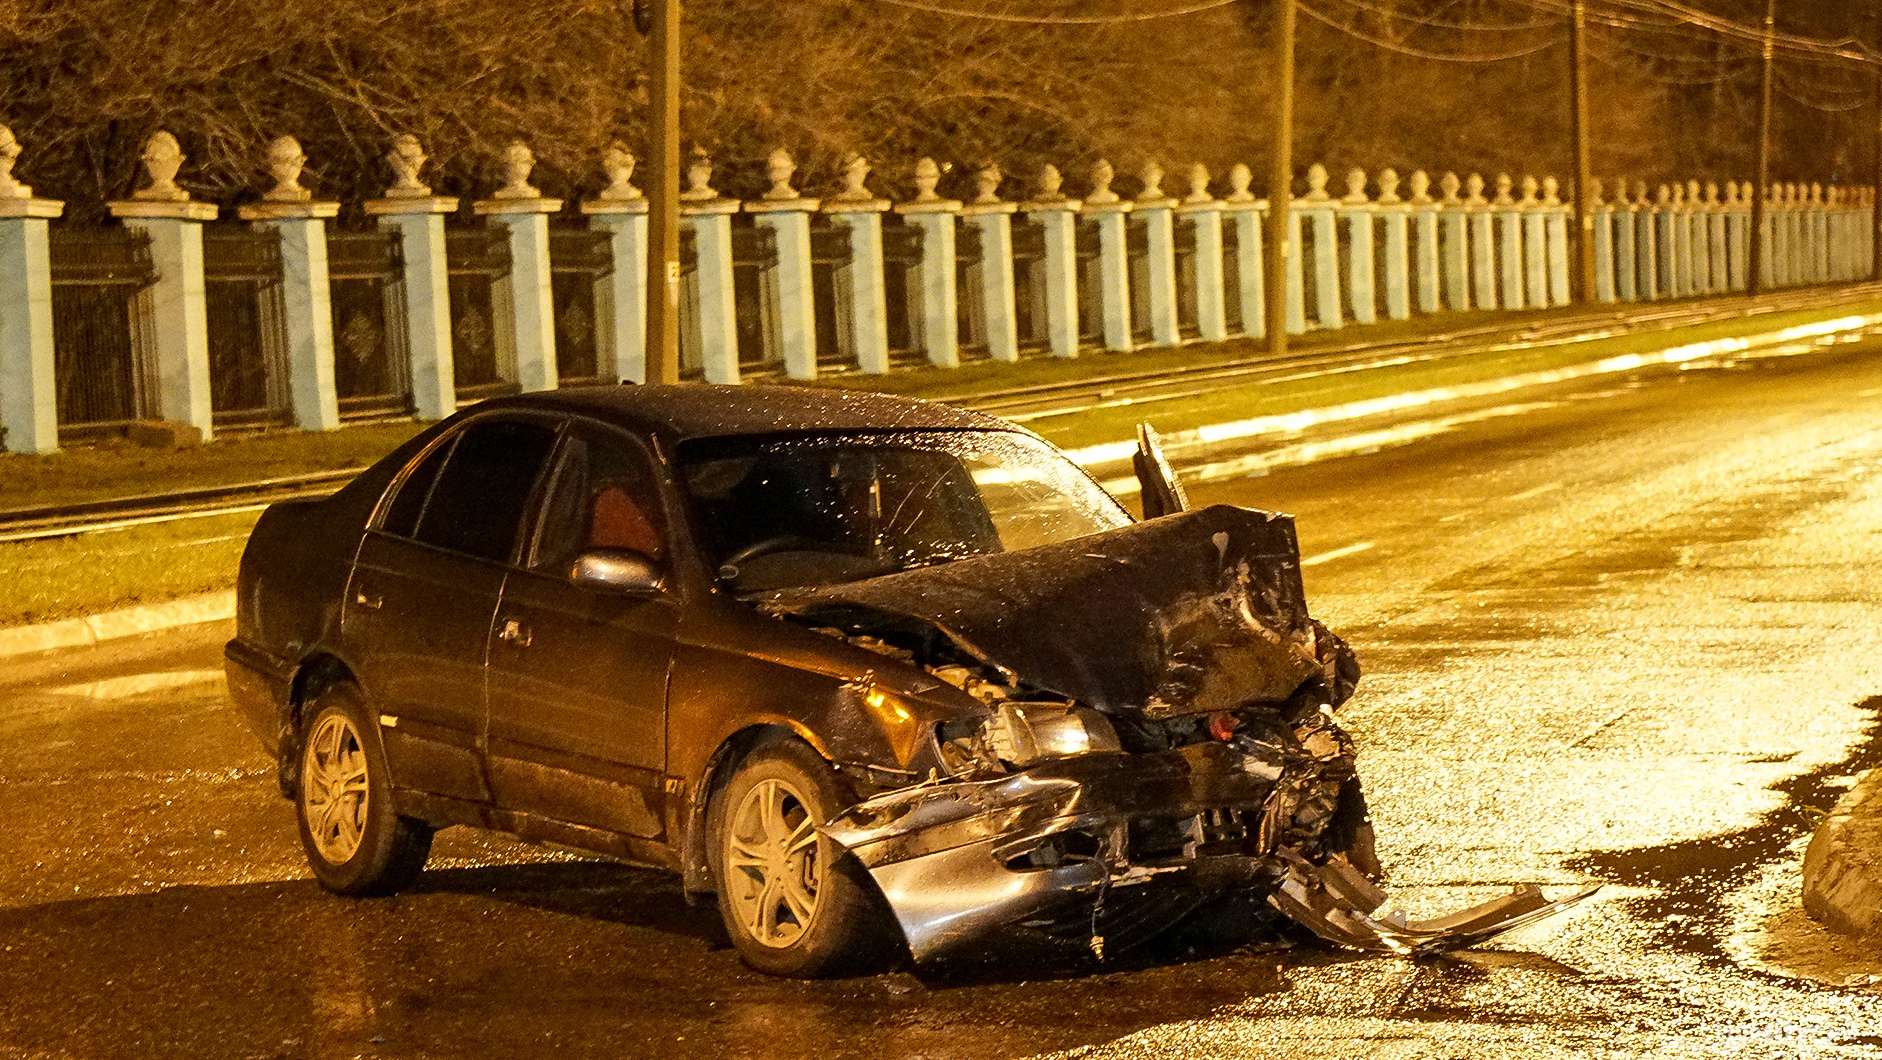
663	221
1280	249
1754	283
1584	176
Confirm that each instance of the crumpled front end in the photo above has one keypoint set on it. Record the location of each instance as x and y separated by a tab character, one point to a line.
1054	842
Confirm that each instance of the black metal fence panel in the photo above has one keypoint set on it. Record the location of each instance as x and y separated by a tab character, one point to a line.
579	259
754	291
830	297
102	348
901	271
247	327
483	360
1029	283
371	356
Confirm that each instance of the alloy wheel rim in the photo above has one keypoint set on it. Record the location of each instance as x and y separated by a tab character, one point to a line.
774	864
334	791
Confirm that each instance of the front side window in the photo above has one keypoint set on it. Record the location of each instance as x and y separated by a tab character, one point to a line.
892	500
603	496
470	495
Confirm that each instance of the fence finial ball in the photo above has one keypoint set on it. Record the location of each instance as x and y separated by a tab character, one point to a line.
1712	193
1596	189
779	168
618	162
927	175
987	184
1316	183
1049	185
285	162
1420	187
1505	184
162	158
1152	176
1198	184
1101	177
1473	190
699	178
406	158
518	160
1240	176
1388	186
1355	187
9	154
1551	192
1449	184
856	170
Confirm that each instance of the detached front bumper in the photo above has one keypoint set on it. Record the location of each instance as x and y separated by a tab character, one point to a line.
958	859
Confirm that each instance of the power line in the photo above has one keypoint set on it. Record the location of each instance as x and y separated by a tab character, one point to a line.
1421	53
1196	7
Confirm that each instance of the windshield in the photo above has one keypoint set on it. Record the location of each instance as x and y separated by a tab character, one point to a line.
834	508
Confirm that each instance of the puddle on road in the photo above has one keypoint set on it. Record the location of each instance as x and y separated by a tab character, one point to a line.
1693	881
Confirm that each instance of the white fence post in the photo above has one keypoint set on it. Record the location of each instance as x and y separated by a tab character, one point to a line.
306	295
1461	246
858	210
620	299
994	273
1396	216
410	209
1509	245
1204	214
787	215
1326	248
1535	246
1603	215
29	396
713	325
1426	224
1557	218
1159	217
165	213
1357	210
1646	243
519	208
1246	213
1107	210
938	326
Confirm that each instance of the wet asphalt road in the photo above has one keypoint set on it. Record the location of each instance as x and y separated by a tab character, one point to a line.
1624	634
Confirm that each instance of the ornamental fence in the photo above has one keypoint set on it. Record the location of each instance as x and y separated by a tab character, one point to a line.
284	316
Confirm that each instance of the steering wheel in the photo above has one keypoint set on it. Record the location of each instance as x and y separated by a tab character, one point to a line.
766	546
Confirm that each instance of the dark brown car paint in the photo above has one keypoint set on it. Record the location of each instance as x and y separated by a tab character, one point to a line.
743	672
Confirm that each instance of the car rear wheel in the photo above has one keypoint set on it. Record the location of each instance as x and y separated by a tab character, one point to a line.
794	902
355	841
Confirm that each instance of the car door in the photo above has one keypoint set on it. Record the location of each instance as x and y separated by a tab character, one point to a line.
578	675
423	590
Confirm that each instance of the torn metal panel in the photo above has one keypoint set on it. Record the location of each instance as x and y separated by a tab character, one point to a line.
1192	613
1337	903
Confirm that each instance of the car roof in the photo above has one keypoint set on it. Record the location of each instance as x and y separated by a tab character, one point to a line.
686	411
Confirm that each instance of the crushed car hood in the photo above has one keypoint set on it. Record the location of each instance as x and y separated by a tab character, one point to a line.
1196	612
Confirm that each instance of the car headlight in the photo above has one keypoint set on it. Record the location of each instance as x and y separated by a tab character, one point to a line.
1024	733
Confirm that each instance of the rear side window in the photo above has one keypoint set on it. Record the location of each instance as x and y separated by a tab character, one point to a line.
409	503
478	499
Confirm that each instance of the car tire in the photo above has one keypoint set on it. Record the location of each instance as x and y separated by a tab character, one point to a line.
794	902
355	841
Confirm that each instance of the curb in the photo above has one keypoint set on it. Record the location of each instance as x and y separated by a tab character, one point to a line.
1843	867
124	622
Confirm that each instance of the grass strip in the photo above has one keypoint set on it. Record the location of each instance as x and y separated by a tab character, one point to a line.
68	577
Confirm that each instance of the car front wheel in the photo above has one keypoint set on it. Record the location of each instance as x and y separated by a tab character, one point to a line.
355	841
794	902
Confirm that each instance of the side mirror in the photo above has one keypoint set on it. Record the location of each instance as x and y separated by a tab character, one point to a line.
617	570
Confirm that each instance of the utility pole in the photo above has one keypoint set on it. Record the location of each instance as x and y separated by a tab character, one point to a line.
1875	200
663	221
1754	283
1280	249
1584	177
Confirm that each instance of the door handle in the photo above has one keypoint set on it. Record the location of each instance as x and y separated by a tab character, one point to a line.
513	633
369	601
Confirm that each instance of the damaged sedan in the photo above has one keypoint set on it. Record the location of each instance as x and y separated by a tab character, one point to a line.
879	674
